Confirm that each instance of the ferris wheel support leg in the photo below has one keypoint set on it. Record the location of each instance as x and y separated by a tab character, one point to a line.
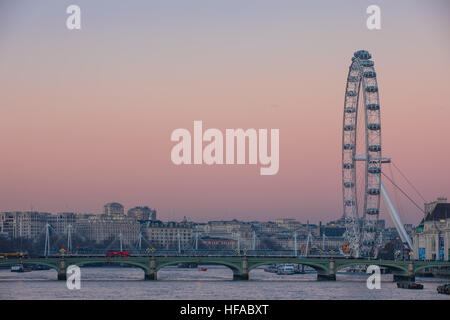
395	217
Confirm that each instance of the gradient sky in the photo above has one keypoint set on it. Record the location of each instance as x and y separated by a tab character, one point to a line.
86	116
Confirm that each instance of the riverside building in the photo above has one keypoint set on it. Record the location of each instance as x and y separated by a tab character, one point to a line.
432	237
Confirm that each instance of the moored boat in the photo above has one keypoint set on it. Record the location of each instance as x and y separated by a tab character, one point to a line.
409	285
444	289
19	268
286	269
271	268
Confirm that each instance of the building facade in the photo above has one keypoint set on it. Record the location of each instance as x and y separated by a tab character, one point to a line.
169	235
111	226
113	209
142	213
432	237
27	225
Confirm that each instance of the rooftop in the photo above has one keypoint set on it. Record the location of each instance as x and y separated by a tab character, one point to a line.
441	211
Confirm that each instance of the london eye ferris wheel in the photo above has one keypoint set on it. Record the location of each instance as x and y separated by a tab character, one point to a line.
361	156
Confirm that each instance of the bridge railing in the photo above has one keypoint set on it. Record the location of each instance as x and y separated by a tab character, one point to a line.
196	253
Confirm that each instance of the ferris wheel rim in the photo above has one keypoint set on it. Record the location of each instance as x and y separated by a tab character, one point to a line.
361	78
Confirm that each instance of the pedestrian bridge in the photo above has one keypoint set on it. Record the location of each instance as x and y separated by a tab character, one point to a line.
240	265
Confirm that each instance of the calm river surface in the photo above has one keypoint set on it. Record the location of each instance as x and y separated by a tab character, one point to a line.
215	283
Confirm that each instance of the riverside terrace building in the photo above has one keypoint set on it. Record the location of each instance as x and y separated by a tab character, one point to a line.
288	224
219	243
432	237
240	231
110	226
167	235
61	221
225	229
27	225
106	227
97	228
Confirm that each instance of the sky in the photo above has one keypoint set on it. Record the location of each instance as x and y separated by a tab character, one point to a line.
86	115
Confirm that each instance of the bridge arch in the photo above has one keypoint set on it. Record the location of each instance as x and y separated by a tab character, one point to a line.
123	262
429	265
316	266
235	268
33	262
396	267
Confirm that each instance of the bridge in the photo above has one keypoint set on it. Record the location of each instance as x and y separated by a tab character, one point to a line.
241	265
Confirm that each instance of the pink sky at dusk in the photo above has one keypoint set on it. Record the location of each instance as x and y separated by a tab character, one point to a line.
86	116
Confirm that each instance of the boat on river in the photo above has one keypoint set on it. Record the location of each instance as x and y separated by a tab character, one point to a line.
20	268
286	269
444	289
409	285
272	268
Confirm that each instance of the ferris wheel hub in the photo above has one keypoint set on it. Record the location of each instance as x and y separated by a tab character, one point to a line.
363	157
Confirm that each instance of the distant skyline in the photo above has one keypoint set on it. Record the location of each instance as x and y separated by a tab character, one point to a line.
86	115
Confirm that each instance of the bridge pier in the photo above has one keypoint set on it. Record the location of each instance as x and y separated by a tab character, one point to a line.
62	275
239	276
410	277
331	276
151	274
326	277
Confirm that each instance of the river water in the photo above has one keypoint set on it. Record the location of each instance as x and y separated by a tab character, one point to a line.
214	283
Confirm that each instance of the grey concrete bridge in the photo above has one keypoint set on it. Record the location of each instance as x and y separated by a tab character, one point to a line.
240	265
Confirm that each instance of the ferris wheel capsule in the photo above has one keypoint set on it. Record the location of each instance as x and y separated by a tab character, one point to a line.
374	148
349	146
348	166
373	107
370	74
366	63
349	110
372	211
349	184
373	191
362	55
374	126
349	127
372	89
374	170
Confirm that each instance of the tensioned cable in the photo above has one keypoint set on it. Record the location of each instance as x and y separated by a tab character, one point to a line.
59	236
395	191
409	182
113	242
404	193
75	232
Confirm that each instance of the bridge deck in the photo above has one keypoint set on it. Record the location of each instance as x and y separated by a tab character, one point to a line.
240	265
